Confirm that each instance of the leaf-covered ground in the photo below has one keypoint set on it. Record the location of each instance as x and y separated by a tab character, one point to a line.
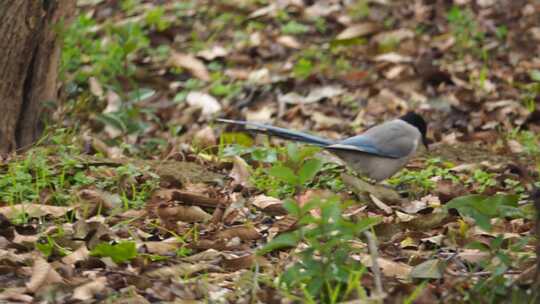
136	195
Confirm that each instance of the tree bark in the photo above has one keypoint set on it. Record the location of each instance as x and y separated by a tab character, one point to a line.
29	57
535	196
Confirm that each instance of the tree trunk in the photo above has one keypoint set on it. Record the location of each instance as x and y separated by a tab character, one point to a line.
535	196
29	57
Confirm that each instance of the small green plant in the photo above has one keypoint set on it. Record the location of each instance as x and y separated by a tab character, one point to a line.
225	89
466	31
424	179
324	271
530	91
289	176
501	32
284	176
56	173
303	68
156	19
106	58
483	208
299	168
134	194
529	140
129	5
48	245
26	178
120	252
321	25
483	179
128	119
497	287
514	185
330	60
358	9
294	28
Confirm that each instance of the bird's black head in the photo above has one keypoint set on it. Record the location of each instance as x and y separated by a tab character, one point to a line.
417	121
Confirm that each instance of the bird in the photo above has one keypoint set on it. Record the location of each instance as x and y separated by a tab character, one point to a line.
378	153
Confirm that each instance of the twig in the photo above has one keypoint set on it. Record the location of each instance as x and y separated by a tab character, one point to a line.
373	251
526	275
480	273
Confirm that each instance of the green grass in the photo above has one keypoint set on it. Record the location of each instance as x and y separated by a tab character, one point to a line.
58	173
468	34
424	180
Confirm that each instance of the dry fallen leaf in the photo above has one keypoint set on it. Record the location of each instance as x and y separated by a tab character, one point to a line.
181	270
114	102
236	212
205	138
244	232
265	10
389	268
324	121
240	172
95	87
89	290
314	95
43	274
268	204
207	103
190	63
10	256
15	295
289	41
358	30
211	256
80	254
384	207
393	58
212	53
234	262
394	36
34	210
190	214
164	247
430	269
99	200
263	114
25	239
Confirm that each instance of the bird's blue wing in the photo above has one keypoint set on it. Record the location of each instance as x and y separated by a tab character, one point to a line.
393	139
364	144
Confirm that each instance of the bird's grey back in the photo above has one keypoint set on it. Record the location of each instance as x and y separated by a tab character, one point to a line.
392	139
395	138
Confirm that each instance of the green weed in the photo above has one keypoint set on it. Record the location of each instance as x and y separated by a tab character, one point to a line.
358	9
483	179
155	18
55	173
297	168
294	28
530	91
329	61
466	31
424	179
104	58
529	140
120	252
324	271
498	287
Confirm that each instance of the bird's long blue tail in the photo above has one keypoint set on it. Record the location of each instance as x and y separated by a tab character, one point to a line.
280	132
